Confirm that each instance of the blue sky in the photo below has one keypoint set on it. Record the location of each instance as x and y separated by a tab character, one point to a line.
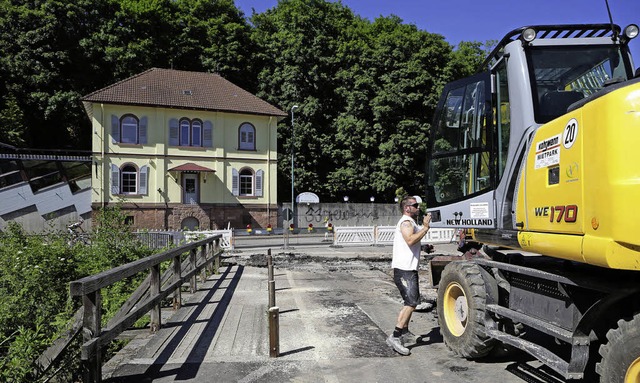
482	20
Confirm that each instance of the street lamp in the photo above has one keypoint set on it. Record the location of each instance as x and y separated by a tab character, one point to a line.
372	199
293	135
345	199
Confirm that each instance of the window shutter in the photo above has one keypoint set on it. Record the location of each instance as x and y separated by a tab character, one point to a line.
259	178
235	182
144	179
174	139
207	134
115	179
143	130
115	129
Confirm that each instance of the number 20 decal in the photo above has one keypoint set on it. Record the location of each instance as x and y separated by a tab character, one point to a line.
569	213
570	133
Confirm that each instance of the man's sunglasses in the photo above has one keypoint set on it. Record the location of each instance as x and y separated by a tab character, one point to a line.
416	205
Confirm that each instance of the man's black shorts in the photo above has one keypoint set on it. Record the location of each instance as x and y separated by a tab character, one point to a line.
407	282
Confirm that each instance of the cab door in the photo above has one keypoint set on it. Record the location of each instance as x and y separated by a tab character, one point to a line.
461	163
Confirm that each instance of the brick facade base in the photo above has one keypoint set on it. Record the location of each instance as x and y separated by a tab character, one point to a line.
204	217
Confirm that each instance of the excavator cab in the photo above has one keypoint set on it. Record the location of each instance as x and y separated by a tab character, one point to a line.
484	124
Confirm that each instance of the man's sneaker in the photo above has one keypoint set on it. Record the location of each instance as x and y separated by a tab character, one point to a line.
408	338
396	344
424	306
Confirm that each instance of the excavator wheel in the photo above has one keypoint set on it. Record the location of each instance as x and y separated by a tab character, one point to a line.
462	299
621	354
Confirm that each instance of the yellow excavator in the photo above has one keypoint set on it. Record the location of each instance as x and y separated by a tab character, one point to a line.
538	156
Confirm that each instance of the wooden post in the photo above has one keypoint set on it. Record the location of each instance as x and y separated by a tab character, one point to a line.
209	250
274	332
177	275
203	257
92	359
271	281
154	290
216	253
192	259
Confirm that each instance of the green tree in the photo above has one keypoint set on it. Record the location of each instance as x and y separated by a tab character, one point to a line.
11	121
403	70
43	68
366	92
297	43
213	36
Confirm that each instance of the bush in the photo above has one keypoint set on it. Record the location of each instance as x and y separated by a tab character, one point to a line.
35	271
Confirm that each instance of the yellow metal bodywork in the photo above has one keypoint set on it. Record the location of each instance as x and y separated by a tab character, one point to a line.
581	202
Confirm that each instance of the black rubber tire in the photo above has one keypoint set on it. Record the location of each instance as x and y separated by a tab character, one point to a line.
621	354
465	337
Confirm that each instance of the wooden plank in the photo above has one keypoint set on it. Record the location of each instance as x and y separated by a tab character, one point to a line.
154	290
53	353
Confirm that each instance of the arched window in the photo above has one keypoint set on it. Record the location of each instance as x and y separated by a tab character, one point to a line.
190	223
129	129
246	182
129	182
185	128
247	137
196	133
190	132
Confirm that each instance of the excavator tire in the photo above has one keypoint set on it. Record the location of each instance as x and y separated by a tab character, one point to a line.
621	354
462	299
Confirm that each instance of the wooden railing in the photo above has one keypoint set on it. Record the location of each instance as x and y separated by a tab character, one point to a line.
198	257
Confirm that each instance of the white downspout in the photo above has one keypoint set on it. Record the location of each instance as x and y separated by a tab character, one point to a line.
102	154
269	173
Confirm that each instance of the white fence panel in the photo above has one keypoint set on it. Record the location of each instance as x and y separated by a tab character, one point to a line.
439	236
354	235
383	235
225	243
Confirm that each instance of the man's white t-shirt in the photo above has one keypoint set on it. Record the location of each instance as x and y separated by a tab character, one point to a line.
405	257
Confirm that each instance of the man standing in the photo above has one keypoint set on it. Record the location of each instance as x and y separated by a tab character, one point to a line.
406	257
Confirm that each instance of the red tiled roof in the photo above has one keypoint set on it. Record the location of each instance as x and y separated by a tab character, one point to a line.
181	89
191	167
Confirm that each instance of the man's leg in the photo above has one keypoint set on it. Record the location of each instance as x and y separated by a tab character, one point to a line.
407	284
404	317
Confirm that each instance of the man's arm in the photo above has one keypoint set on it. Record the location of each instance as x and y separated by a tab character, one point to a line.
406	228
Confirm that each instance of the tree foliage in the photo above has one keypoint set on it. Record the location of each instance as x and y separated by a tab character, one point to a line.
366	90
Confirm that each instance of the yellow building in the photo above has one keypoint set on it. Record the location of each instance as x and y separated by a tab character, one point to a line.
184	149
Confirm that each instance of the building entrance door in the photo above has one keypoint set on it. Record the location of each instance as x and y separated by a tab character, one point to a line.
190	189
